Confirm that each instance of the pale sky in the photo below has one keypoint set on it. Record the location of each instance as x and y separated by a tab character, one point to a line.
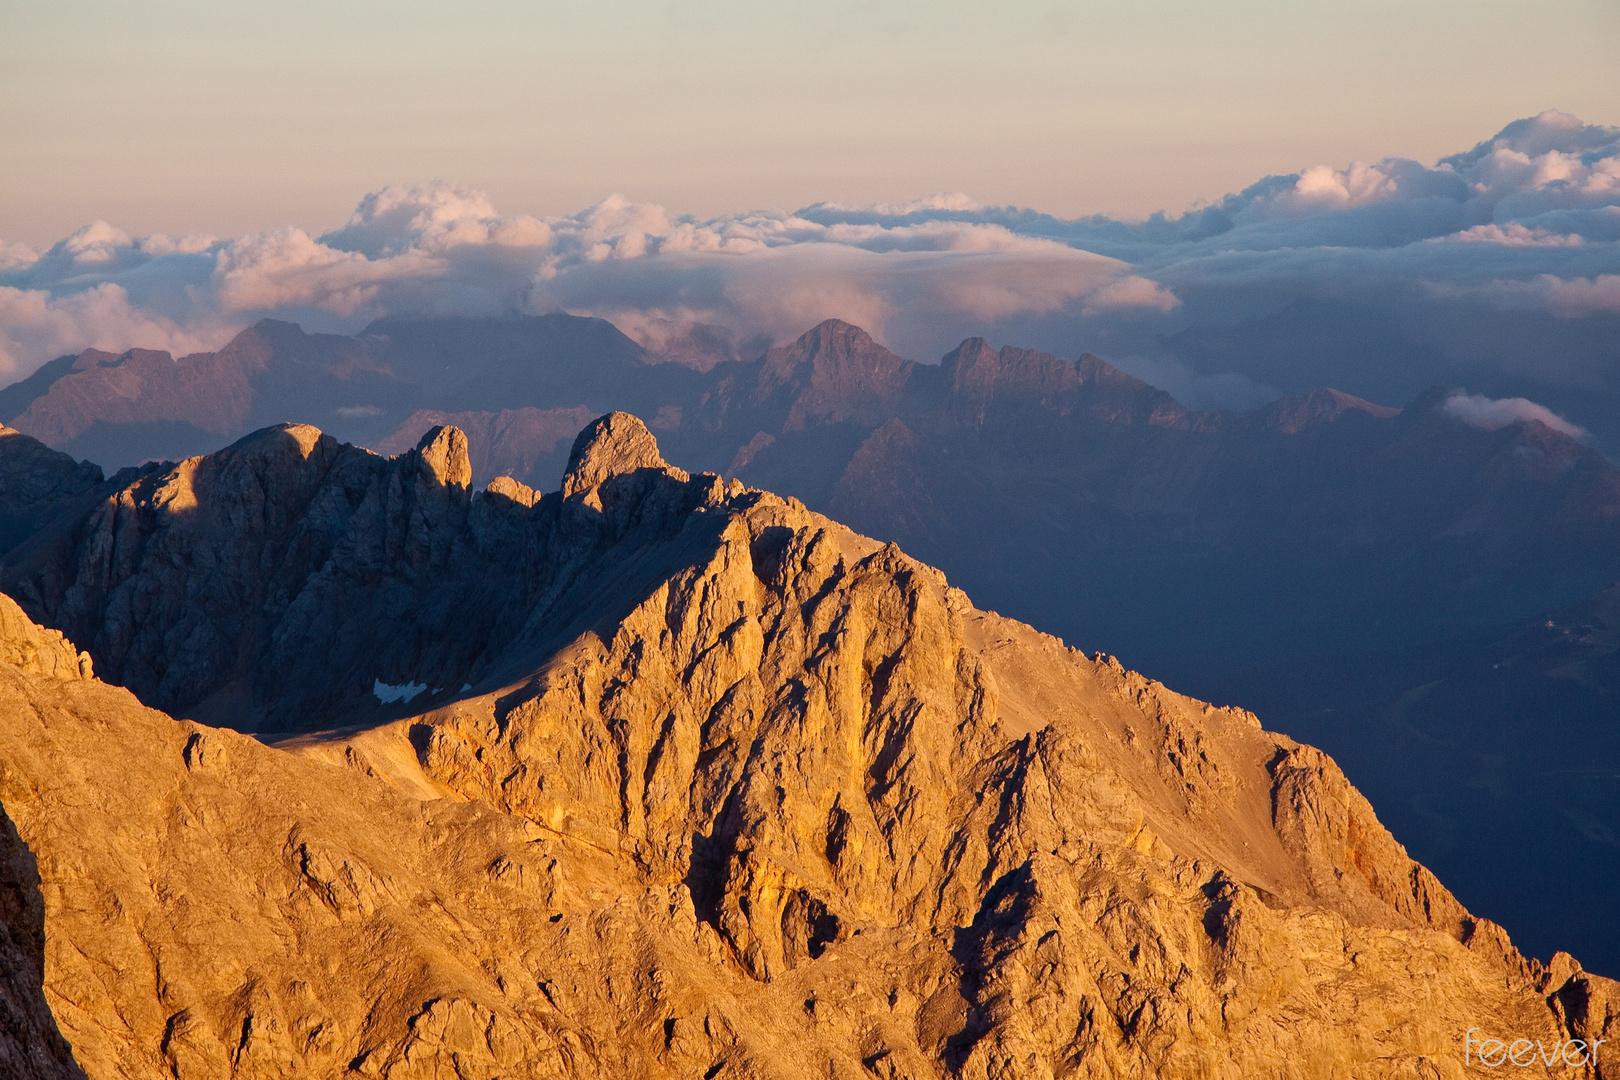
183	116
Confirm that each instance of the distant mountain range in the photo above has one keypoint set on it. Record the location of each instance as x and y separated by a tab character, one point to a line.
122	409
1317	554
1068	493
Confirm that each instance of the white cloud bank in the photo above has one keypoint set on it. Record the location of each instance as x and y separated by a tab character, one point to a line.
1526	223
442	249
1492	414
36	325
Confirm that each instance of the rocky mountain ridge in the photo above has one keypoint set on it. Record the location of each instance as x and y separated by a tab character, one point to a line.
1319	521
1212	549
749	795
122	409
248	583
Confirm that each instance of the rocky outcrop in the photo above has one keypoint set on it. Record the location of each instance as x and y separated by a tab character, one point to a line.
36	482
617	444
291	580
750	795
36	650
208	578
527	444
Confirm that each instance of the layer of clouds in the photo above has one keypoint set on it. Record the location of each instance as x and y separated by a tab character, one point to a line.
1131	293
1492	414
443	249
38	326
1524	226
1568	298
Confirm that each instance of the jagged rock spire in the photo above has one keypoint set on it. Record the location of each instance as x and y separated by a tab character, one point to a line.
611	445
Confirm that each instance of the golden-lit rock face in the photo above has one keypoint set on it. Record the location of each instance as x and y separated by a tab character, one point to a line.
791	809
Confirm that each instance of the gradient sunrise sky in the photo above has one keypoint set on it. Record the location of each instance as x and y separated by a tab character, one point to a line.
183	115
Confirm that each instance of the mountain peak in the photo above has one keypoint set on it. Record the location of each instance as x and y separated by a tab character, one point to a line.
799	773
90	359
1095	370
836	330
830	342
1292	415
981	377
611	445
277	328
965	354
834	372
444	454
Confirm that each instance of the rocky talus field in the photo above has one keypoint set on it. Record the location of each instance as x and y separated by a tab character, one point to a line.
673	778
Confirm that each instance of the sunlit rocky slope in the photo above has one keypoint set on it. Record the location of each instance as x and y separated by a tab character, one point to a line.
725	789
1320	536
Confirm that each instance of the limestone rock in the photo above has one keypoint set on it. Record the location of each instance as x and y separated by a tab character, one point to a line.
278	583
31	1047
515	490
523	444
442	453
744	794
38	650
613	445
1212	548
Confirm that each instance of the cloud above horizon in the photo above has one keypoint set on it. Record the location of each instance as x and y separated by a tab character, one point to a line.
1524	226
1493	414
442	249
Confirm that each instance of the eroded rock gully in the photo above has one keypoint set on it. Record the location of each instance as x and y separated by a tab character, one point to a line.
746	795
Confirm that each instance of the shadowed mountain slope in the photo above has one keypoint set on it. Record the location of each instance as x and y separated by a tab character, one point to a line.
750	795
1196	542
36	482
